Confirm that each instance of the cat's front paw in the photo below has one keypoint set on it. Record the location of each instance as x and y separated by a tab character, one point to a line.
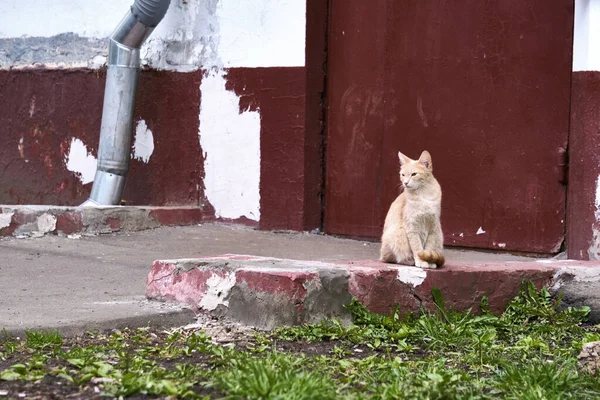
424	264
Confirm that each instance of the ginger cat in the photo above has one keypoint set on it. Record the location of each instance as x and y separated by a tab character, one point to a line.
412	233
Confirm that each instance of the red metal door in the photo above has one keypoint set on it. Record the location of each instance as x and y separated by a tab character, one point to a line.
483	85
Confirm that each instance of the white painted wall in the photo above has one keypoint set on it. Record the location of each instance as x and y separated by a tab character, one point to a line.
586	36
199	34
35	18
195	34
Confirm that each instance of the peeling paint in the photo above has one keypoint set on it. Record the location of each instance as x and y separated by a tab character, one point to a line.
144	142
502	245
81	162
5	219
32	107
218	290
46	223
21	148
186	39
480	231
412	275
97	62
231	142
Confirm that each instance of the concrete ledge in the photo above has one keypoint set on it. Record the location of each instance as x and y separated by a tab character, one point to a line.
268	292
35	221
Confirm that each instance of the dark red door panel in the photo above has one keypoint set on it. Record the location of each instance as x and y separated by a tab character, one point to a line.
483	85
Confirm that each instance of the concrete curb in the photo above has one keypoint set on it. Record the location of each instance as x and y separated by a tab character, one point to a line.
269	292
169	319
36	221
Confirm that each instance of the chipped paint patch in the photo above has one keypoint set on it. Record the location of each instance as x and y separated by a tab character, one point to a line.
46	223
218	290
502	245
480	231
231	141
21	149
411	275
144	142
80	161
5	219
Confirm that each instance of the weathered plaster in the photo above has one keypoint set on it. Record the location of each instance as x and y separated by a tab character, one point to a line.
186	39
218	288
34	18
193	35
46	223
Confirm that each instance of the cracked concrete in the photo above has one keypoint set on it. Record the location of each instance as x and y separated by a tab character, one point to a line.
266	292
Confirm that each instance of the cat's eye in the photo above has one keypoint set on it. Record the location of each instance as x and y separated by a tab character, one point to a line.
401	174
413	174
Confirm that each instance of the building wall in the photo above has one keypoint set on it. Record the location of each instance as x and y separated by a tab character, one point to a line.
583	208
220	113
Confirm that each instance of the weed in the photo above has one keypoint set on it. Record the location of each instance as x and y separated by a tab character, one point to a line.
43	340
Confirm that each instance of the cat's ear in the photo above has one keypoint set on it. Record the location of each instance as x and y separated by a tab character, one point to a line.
425	160
403	159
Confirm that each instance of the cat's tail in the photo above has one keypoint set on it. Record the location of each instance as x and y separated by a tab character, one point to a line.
433	257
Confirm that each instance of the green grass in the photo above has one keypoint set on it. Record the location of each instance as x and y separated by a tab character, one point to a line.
528	352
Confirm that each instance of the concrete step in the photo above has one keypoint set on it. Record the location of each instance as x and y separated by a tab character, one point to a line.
269	292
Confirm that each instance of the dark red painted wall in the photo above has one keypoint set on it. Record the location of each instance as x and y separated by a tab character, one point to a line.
314	135
484	86
47	108
279	94
584	166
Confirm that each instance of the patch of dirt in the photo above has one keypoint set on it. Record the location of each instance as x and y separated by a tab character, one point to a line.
48	388
313	349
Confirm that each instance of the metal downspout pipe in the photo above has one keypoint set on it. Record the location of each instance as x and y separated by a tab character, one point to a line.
119	100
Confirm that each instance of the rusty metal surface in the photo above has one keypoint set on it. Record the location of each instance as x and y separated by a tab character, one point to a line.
484	86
